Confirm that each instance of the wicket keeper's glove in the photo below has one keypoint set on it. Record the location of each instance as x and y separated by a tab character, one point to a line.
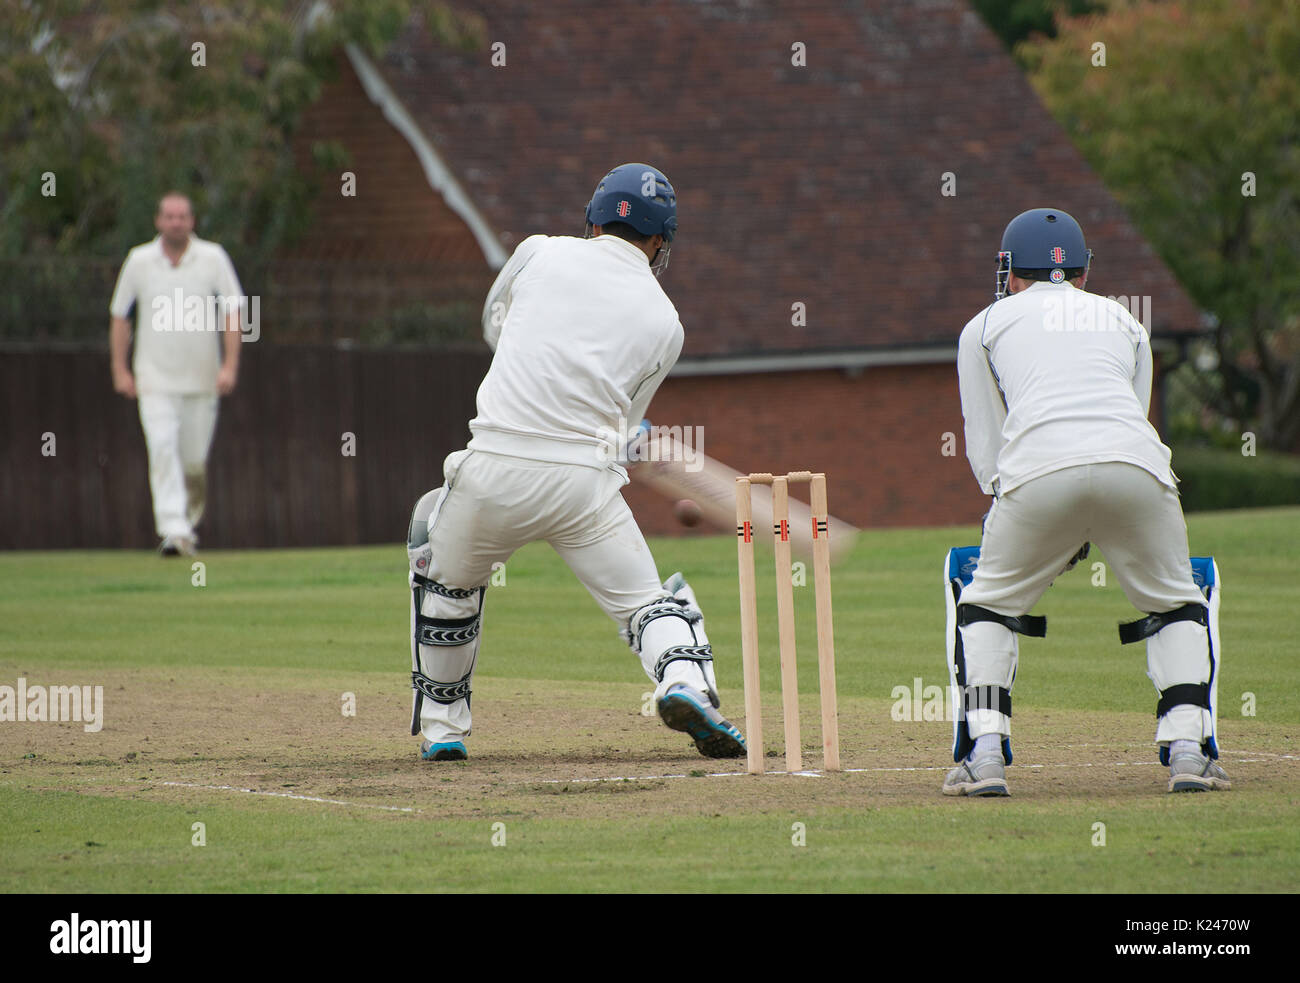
1081	555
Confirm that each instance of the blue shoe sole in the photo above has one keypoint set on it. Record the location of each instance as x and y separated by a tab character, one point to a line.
713	741
452	751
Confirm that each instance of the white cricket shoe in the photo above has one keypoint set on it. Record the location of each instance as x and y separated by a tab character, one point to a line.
1191	771
178	546
981	774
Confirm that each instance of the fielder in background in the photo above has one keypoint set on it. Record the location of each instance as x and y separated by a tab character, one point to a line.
1055	391
187	300
583	335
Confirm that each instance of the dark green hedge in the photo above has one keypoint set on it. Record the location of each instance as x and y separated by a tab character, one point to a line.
1213	478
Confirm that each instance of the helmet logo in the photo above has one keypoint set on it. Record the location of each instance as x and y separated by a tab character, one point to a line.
1058	255
1058	276
624	209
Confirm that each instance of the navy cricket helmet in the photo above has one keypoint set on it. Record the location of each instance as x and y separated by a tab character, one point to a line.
1045	243
637	195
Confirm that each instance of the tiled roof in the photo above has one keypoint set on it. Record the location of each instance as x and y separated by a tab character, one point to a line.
818	185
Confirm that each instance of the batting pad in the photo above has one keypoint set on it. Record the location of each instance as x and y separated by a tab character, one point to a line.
445	626
668	636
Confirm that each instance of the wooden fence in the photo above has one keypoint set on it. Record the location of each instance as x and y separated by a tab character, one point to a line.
74	472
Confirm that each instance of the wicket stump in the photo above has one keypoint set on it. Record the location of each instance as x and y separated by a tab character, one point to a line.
785	618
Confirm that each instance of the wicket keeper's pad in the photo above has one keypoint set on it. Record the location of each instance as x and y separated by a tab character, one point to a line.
1174	650
958	567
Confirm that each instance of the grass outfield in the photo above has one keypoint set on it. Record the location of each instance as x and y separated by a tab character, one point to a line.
223	706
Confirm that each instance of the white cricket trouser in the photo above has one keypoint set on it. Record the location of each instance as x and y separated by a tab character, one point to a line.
492	504
178	431
1030	535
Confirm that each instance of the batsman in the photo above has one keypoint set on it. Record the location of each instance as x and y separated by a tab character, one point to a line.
582	335
1055	390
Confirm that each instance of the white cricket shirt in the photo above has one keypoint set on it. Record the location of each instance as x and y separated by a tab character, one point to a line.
583	336
179	313
1052	377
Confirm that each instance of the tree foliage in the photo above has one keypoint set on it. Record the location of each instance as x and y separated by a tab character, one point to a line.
122	99
1194	124
1017	20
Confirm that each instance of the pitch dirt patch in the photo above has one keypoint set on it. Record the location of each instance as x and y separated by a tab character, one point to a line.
553	750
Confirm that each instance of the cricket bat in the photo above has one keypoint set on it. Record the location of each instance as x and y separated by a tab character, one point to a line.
678	472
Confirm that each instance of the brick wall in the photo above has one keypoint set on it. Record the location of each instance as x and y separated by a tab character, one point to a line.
878	436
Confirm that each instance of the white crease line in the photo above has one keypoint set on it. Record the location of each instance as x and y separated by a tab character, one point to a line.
1112	747
1222	751
859	771
1078	764
290	795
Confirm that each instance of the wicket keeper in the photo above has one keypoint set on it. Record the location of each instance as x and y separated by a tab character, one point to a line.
1055	390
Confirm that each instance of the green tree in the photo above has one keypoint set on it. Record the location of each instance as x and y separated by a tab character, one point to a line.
1194	124
121	99
1016	20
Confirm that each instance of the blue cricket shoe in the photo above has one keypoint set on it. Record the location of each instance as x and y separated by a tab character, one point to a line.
683	709
443	751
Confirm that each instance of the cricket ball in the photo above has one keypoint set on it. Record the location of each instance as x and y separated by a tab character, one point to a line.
687	512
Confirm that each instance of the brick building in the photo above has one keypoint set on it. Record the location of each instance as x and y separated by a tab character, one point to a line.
824	265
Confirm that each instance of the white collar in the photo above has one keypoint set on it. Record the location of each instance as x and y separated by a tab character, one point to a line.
626	245
185	256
